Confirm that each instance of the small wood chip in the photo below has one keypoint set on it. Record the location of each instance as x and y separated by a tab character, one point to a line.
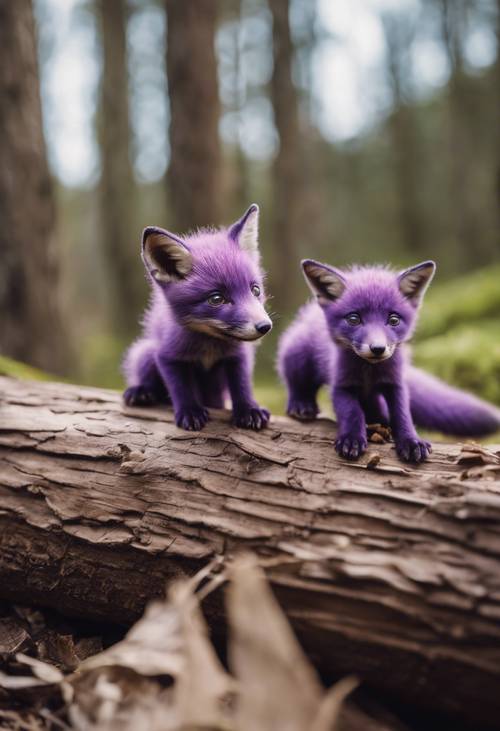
373	461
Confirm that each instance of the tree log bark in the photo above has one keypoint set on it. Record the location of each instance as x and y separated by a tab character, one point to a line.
386	570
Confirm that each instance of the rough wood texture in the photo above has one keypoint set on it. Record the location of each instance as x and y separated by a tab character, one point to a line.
392	572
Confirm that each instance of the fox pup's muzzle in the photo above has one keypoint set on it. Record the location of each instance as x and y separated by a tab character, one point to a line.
263	327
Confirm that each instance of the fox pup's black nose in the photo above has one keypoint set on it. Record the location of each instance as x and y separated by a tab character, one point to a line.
377	349
263	327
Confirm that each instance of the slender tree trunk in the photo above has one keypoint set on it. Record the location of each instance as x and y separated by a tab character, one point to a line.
116	190
463	224
399	35
194	173
31	325
240	196
406	162
288	171
387	570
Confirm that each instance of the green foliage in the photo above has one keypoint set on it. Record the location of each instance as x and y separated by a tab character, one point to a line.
10	367
467	356
101	364
458	338
467	299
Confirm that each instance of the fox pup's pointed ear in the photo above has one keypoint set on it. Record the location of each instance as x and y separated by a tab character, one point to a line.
326	283
166	258
245	232
413	282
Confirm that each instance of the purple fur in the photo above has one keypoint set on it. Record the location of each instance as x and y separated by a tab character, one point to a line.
194	348
366	363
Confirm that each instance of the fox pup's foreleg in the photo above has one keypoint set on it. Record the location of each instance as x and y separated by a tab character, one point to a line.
246	411
352	439
409	446
180	380
303	378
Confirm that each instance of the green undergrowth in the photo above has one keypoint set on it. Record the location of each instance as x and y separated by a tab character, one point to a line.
15	369
470	299
467	356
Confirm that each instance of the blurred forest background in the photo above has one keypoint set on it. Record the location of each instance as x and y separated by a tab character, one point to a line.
367	130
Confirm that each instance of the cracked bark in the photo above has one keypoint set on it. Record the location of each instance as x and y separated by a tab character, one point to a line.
392	572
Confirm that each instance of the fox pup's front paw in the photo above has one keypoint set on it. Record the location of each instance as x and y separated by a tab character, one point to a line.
191	418
302	409
413	449
251	417
139	396
351	446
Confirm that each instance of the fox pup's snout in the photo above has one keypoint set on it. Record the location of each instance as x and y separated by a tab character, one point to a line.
374	348
254	323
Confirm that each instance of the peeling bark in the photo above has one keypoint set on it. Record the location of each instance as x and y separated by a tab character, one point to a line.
391	572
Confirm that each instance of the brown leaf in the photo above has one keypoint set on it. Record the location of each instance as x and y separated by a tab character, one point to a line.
59	650
42	670
118	687
278	687
12	635
331	705
151	647
203	678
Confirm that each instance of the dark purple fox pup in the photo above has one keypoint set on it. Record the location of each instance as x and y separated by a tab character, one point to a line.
207	307
351	338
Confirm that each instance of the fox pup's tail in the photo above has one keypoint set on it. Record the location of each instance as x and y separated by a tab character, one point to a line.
439	407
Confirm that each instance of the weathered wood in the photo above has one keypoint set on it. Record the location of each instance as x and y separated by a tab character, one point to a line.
392	572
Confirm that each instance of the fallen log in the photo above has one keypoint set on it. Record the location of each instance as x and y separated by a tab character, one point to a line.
386	570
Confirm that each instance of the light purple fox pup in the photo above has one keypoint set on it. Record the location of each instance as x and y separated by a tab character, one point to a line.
351	338
207	306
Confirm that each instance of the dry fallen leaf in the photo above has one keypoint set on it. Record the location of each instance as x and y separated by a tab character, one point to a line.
277	686
12	635
165	674
118	688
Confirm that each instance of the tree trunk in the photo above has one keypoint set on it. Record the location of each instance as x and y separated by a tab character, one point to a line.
386	570
288	170
116	189
31	328
399	34
464	222
194	172
406	162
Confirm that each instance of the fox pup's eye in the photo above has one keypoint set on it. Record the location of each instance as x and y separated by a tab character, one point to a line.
216	299
255	290
353	319
393	320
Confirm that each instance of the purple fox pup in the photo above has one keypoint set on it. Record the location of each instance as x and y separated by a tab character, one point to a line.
352	339
207	306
